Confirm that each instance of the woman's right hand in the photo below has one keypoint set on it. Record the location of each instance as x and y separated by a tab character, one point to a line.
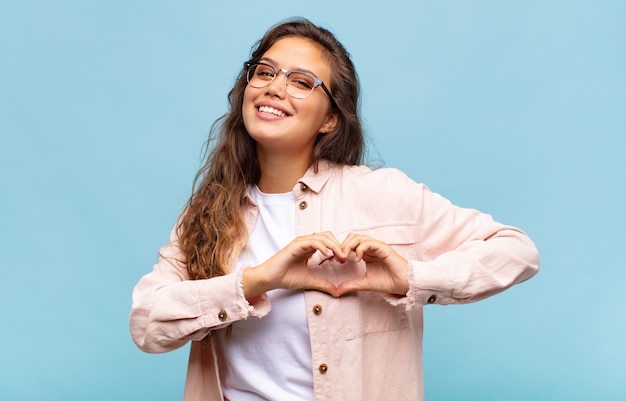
288	268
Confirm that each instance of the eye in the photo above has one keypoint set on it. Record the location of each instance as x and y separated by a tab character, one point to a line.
264	72
301	80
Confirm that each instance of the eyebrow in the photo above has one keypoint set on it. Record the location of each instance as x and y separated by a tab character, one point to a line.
270	61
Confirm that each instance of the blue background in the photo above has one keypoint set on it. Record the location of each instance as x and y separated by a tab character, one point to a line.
515	108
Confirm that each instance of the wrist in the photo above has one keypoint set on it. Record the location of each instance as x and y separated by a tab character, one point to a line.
254	283
402	286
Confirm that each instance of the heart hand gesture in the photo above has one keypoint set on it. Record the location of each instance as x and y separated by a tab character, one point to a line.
385	270
288	268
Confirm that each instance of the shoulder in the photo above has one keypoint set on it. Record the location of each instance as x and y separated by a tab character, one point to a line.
386	177
388	186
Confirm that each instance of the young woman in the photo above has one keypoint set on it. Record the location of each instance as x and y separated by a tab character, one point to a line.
296	272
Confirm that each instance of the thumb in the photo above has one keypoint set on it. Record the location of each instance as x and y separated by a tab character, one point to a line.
358	284
322	285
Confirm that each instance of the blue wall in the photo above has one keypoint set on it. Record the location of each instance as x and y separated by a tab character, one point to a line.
514	108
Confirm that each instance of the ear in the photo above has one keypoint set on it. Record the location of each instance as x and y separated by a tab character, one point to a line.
332	119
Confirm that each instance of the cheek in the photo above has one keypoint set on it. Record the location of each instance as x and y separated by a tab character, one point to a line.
246	97
319	115
247	106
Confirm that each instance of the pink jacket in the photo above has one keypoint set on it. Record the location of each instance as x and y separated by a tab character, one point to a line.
365	346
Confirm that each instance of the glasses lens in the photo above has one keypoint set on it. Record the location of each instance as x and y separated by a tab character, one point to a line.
260	75
300	85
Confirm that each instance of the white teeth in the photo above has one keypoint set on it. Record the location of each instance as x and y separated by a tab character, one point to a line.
271	110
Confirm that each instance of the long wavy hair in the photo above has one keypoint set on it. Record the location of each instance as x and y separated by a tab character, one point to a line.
212	229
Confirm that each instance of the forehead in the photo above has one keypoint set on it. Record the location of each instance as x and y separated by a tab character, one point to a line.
296	53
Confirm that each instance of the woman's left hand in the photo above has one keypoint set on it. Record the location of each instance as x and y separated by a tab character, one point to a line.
385	270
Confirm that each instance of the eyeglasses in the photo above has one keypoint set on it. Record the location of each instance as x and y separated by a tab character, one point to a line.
298	84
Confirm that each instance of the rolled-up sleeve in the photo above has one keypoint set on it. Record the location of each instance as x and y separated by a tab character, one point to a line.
463	254
168	309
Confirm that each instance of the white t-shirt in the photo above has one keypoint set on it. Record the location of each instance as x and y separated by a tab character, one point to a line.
269	358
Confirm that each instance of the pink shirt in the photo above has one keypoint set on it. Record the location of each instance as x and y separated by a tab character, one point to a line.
365	346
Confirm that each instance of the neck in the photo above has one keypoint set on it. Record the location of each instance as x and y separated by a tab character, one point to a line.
279	173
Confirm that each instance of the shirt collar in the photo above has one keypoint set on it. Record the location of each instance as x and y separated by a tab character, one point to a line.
314	181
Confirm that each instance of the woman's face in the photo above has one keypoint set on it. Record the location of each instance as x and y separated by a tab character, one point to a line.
279	122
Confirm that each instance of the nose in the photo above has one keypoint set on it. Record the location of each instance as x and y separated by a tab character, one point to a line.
278	86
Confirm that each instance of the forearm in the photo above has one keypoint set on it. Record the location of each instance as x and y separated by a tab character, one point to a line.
165	315
255	283
475	270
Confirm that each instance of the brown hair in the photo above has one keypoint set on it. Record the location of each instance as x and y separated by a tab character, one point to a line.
212	230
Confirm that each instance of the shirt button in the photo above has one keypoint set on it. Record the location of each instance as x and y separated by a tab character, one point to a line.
432	299
303	205
317	309
222	315
323	368
303	187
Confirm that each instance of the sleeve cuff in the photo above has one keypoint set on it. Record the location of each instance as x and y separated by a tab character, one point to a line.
427	285
261	304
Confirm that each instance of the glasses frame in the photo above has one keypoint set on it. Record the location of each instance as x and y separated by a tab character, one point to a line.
316	81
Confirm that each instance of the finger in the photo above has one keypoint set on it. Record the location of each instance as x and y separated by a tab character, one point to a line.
328	244
359	284
351	242
363	245
322	285
328	235
350	239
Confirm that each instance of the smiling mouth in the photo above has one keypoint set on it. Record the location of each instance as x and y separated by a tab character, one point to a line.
272	111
